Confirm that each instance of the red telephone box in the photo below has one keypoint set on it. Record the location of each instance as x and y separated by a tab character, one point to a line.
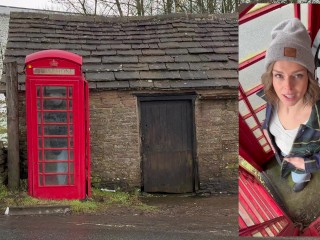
57	109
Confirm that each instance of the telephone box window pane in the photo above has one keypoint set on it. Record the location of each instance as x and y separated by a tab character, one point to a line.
61	167
40	167
71	154
40	180
38	91
249	77
70	92
39	130
54	104
56	180
51	155
39	117
70	105
261	115
71	142
40	155
251	122
71	118
56	130
243	109
51	117
71	130
38	104
256	101
71	179
71	167
266	148
262	141
40	142
55	91
257	133
56	142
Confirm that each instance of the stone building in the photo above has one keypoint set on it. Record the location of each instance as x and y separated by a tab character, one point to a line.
167	83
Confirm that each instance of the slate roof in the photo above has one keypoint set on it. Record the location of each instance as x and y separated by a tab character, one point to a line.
173	51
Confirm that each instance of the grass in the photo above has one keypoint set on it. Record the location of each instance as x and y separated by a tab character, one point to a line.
99	201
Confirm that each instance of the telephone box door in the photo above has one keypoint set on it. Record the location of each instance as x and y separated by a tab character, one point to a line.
56	173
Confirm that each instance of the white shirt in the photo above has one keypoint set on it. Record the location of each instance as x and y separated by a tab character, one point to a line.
283	138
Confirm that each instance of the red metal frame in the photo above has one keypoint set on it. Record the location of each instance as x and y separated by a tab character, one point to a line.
252	60
313	20
313	229
72	182
87	137
258	211
247	17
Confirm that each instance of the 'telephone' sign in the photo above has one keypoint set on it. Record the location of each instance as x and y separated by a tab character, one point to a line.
54	71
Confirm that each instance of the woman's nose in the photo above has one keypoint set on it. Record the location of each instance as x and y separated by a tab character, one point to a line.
288	84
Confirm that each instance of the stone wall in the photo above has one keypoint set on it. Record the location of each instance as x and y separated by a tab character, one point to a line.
115	144
115	159
217	144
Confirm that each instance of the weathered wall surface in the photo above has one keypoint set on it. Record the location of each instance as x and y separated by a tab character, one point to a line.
115	144
217	144
115	155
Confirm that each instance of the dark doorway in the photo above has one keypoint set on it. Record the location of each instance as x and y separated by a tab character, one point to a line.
167	134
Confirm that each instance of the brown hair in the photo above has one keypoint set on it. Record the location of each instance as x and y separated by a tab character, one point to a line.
311	96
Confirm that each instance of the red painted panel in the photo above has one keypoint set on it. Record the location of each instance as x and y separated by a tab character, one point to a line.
314	20
260	12
255	203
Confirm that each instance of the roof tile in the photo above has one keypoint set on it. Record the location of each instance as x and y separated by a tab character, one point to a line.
177	66
100	76
126	75
160	75
155	59
193	75
222	74
120	59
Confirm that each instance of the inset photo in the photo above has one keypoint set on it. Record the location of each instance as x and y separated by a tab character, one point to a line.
279	120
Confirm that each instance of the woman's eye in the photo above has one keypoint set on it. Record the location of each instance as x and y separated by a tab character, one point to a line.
278	76
298	76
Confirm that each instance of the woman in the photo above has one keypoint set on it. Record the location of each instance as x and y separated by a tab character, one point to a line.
292	124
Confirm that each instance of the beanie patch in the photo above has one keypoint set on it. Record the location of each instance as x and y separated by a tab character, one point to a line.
290	52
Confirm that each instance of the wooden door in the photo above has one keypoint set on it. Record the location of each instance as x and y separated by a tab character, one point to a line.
167	146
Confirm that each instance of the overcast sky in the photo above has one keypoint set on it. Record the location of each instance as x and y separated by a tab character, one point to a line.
36	4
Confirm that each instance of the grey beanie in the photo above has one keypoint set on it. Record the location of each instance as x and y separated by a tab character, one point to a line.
291	42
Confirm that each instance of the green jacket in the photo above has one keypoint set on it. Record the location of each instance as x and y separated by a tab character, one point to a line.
306	143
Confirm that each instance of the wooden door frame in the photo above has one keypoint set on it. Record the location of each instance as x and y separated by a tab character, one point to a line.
188	96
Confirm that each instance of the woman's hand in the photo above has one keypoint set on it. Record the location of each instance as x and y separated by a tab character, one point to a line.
298	162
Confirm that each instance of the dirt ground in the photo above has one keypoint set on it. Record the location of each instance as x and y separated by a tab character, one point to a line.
215	214
175	217
302	207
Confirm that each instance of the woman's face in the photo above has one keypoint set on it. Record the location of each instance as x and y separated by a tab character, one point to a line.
290	82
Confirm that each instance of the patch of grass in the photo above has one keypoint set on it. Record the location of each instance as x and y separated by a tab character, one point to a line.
99	202
3	191
123	199
83	206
